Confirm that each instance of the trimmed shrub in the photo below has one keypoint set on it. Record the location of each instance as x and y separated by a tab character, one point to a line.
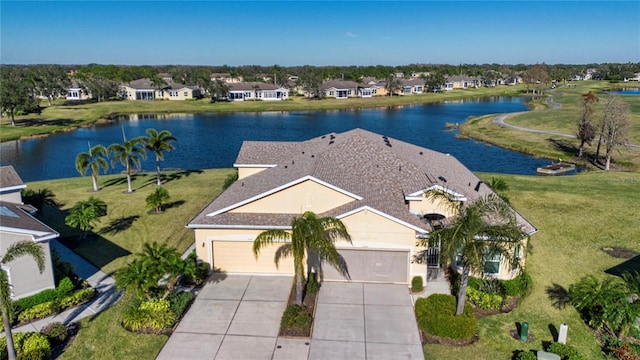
56	333
178	301
39	311
65	287
36	299
416	284
436	316
151	316
483	300
296	316
519	286
566	352
36	347
28	346
524	355
77	297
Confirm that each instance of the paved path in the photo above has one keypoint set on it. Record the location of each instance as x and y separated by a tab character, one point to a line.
499	120
103	283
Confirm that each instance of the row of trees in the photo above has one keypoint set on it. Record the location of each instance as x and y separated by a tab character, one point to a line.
612	127
129	154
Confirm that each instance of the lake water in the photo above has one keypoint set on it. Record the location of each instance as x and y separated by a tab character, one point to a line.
626	92
213	140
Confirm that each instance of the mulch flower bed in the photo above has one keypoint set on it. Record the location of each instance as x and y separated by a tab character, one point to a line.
309	301
510	305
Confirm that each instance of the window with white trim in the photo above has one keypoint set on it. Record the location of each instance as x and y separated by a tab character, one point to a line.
492	263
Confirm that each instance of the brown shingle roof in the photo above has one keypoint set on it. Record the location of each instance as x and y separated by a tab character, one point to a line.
244	86
379	170
9	178
14	218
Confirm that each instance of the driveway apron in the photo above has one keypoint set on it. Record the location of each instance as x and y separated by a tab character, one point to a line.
364	321
233	317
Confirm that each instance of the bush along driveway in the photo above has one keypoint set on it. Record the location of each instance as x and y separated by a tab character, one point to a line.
104	285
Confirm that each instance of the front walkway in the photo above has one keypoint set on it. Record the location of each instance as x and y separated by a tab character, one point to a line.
103	283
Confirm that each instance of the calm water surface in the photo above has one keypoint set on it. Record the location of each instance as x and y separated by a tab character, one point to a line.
213	140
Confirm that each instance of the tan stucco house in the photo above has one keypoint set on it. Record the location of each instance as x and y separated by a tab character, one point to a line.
375	184
144	89
17	224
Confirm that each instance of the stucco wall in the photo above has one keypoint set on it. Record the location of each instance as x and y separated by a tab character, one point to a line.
25	276
244	172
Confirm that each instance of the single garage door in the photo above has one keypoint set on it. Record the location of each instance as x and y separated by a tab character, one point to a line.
237	257
388	266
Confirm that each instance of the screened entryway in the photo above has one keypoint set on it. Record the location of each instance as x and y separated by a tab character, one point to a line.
386	266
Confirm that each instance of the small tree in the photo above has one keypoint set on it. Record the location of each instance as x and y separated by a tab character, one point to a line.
616	126
94	160
85	214
586	128
157	199
393	84
308	233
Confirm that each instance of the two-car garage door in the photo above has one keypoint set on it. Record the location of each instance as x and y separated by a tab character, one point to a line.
388	266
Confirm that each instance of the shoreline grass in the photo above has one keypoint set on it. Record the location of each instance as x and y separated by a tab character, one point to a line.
62	116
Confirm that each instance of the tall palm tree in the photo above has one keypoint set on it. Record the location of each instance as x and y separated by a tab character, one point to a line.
486	227
16	250
85	214
94	159
128	154
157	143
308	233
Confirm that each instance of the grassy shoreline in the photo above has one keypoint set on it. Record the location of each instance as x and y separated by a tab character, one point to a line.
63	116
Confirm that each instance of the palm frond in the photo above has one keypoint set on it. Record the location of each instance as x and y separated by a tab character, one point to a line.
22	248
283	252
269	237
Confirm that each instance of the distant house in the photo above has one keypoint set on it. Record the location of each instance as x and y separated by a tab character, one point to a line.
225	77
166	77
18	224
257	91
412	86
77	92
339	89
454	82
144	89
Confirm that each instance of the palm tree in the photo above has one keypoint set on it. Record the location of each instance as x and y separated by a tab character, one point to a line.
84	215
158	143
128	154
16	250
308	233
94	159
486	227
157	199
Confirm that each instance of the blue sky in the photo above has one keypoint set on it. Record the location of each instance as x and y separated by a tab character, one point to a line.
319	33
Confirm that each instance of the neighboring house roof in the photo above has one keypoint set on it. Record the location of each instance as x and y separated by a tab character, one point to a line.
379	172
412	82
14	218
10	180
338	84
245	86
146	84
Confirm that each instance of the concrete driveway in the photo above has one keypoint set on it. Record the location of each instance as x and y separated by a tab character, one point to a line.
238	317
233	317
365	321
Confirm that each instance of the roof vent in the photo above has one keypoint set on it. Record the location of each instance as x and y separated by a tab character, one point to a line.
421	153
313	156
285	166
330	142
303	153
478	185
292	162
442	178
323	136
332	137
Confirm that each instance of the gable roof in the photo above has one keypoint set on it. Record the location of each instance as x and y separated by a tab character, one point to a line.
10	180
251	85
380	170
14	218
337	84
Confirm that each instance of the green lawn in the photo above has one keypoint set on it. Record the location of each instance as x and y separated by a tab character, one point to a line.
561	120
64	117
128	223
576	216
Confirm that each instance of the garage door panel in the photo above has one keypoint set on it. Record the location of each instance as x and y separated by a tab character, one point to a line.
372	266
237	257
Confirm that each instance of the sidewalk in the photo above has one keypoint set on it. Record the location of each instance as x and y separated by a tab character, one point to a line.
103	283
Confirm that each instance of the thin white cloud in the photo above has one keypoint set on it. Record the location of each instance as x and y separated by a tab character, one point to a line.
350	34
